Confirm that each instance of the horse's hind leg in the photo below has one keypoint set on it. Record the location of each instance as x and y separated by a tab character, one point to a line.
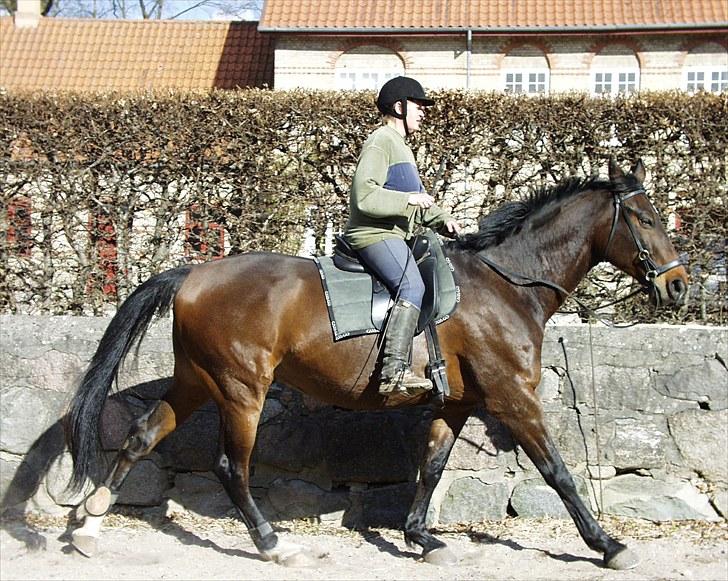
443	433
238	428
528	429
146	432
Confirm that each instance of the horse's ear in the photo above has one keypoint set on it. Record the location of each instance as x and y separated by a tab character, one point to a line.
615	172
638	170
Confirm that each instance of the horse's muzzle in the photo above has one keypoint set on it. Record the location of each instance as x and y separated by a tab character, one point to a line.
670	289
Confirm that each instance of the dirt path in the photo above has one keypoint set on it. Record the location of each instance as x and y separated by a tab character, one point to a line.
192	547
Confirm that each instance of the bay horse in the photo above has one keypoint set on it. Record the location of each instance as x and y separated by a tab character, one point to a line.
243	322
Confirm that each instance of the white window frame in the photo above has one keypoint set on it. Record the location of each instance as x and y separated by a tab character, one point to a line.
714	79
526	81
620	81
363	80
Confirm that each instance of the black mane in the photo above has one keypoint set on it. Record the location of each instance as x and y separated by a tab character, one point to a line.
508	219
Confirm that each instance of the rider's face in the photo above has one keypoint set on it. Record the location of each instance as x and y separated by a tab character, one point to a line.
415	114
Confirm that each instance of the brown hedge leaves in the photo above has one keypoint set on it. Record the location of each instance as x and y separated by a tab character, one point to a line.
117	187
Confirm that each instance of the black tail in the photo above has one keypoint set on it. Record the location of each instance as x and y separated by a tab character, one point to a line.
128	327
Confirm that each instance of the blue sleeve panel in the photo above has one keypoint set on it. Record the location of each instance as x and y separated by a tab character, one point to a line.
403	177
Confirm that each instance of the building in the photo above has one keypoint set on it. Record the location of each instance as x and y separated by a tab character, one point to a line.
64	54
520	46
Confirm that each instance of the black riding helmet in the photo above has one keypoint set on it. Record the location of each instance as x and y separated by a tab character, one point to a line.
400	89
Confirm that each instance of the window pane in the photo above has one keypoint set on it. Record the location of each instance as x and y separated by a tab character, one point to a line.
719	81
603	83
537	82
514	83
346	81
627	82
362	80
709	79
525	82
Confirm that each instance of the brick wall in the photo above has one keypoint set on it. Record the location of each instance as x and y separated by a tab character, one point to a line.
441	61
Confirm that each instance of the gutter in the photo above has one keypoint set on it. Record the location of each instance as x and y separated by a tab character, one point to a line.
672	26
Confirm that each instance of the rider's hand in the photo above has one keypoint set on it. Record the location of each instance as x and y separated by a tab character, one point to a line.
453	227
422	200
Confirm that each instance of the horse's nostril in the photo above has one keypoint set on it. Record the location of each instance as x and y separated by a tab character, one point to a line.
677	289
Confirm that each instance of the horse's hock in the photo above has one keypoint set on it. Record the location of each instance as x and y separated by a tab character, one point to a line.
644	431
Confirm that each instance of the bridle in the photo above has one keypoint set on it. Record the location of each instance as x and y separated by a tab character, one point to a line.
644	257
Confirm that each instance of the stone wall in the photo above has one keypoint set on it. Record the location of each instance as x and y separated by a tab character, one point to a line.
644	431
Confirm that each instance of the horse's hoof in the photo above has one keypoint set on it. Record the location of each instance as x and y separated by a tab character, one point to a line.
624	559
441	557
84	544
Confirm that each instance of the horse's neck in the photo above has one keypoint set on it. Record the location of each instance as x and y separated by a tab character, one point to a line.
560	252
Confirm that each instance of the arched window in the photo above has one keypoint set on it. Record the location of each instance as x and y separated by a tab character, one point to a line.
367	67
525	70
615	70
706	69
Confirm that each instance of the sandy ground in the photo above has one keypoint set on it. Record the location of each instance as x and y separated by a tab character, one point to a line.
191	547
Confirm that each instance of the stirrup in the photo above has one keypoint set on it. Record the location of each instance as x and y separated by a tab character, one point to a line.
399	384
419	389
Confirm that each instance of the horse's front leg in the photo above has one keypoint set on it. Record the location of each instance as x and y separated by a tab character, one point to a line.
444	431
523	416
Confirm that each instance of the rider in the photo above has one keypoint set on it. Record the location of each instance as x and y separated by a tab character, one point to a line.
387	201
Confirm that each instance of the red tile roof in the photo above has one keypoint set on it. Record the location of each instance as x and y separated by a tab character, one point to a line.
122	55
489	15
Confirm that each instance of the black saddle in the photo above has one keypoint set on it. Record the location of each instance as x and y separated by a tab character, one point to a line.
346	258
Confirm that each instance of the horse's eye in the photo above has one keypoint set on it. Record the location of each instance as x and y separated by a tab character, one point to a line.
646	220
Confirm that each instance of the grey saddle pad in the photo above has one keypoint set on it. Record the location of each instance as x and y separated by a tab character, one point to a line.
349	296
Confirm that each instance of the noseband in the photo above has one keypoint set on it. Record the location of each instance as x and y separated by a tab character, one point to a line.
644	258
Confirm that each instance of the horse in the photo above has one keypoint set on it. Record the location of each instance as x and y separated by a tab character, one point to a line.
242	322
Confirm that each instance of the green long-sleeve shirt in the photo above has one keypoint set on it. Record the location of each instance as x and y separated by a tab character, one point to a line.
385	176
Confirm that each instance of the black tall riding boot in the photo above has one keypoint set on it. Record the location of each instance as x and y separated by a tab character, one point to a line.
396	374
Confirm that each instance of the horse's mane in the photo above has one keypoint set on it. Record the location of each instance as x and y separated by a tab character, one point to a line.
509	218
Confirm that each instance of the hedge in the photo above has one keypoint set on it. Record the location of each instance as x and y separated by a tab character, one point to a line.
101	191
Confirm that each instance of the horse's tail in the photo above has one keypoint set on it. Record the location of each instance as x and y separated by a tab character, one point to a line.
128	327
